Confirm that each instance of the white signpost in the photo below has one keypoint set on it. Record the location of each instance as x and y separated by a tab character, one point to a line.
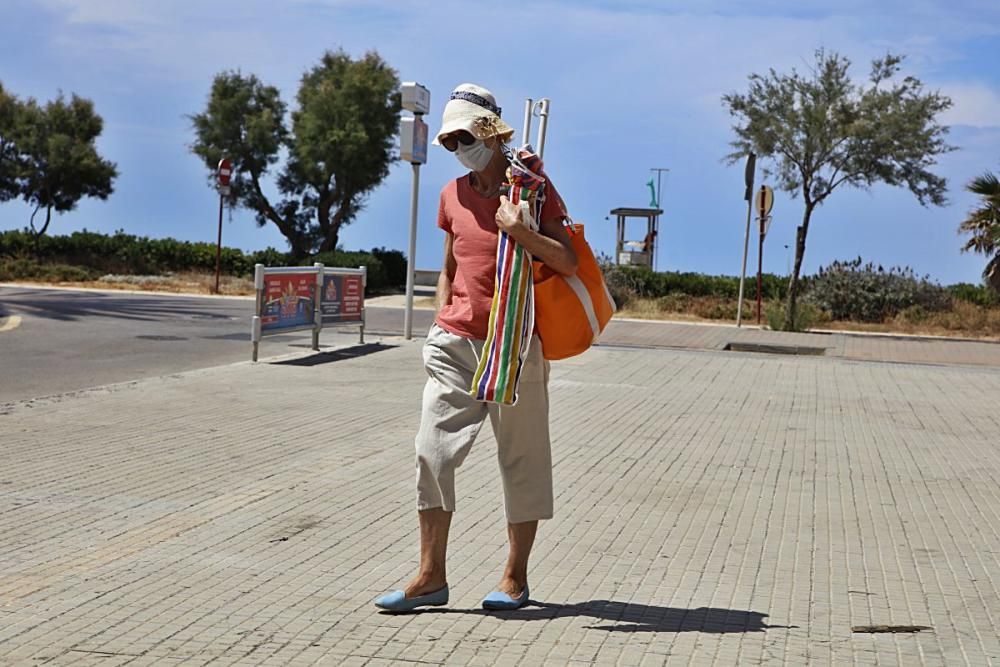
748	176
413	149
765	202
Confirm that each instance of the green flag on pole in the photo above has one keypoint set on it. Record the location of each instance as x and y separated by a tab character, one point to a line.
652	194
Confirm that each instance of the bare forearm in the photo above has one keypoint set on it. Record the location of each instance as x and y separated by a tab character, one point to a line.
443	294
547	250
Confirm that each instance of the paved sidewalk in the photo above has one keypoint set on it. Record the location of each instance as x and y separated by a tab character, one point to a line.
716	336
859	346
712	508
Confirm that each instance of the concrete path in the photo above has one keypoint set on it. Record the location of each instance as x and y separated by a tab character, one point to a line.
857	346
712	508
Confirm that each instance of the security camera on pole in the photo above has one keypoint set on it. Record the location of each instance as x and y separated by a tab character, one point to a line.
225	172
413	149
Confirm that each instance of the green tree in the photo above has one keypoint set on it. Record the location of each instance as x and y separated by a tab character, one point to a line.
820	131
10	156
61	164
339	147
983	224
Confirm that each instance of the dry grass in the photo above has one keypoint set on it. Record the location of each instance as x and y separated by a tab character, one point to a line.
687	309
964	320
190	282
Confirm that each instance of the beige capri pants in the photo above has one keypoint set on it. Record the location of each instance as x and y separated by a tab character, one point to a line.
451	419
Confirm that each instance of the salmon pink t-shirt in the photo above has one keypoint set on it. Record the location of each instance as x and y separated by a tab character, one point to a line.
471	219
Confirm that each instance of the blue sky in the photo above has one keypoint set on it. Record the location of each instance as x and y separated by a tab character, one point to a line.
633	85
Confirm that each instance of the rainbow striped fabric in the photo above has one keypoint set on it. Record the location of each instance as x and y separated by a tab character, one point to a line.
512	315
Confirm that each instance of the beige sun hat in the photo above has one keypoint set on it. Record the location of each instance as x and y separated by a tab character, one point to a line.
474	109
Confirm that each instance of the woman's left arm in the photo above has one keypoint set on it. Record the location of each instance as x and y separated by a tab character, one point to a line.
550	244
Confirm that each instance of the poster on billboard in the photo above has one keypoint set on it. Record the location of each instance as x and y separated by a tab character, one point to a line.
342	299
288	301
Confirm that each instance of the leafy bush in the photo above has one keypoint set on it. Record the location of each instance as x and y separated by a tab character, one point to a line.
394	262
806	317
29	269
979	295
123	253
269	257
378	281
866	293
641	281
95	254
619	281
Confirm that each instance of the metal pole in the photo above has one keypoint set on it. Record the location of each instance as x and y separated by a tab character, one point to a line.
743	271
543	124
760	265
526	134
659	205
748	177
317	310
410	264
364	311
218	248
255	329
656	224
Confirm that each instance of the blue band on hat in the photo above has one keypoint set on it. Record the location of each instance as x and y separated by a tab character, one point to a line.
478	100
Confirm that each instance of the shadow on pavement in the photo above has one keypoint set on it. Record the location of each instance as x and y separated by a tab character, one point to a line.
335	355
632	617
70	306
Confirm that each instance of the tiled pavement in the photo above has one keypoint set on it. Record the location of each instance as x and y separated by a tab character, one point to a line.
712	508
862	347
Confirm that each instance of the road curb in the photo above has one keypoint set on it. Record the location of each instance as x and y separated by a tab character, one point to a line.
100	290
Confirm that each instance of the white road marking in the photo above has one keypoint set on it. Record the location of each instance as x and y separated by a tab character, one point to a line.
10	323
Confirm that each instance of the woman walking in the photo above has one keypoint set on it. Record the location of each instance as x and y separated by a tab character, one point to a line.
472	212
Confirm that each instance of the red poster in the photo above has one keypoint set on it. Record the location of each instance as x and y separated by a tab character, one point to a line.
353	296
288	300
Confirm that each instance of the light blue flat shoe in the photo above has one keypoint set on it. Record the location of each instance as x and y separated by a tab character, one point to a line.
397	600
499	601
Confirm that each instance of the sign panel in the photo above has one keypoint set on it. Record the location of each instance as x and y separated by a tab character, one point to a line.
225	171
288	301
342	299
765	200
748	174
413	140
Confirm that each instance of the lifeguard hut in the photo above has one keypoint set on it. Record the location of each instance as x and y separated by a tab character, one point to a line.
635	252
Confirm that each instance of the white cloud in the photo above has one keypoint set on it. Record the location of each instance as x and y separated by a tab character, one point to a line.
117	13
976	105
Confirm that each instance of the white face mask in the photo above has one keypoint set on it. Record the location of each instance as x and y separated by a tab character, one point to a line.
475	156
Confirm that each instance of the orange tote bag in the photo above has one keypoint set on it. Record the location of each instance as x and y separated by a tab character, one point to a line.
571	313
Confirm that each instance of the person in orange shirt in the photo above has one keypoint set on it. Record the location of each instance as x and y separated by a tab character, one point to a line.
471	213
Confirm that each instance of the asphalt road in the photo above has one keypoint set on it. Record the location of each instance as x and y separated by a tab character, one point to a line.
69	340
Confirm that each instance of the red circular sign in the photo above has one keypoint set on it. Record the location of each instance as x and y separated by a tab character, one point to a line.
225	171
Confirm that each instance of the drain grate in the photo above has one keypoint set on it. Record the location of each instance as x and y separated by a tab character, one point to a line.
889	628
773	348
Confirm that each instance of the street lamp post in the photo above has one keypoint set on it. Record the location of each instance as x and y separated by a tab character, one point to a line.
413	149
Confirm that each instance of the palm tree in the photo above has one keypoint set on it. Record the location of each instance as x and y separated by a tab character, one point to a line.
984	225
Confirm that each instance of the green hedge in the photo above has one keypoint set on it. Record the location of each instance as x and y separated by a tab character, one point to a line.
378	278
979	295
129	254
85	255
30	269
627	282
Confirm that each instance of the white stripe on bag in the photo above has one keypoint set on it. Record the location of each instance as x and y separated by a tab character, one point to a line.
611	299
588	306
